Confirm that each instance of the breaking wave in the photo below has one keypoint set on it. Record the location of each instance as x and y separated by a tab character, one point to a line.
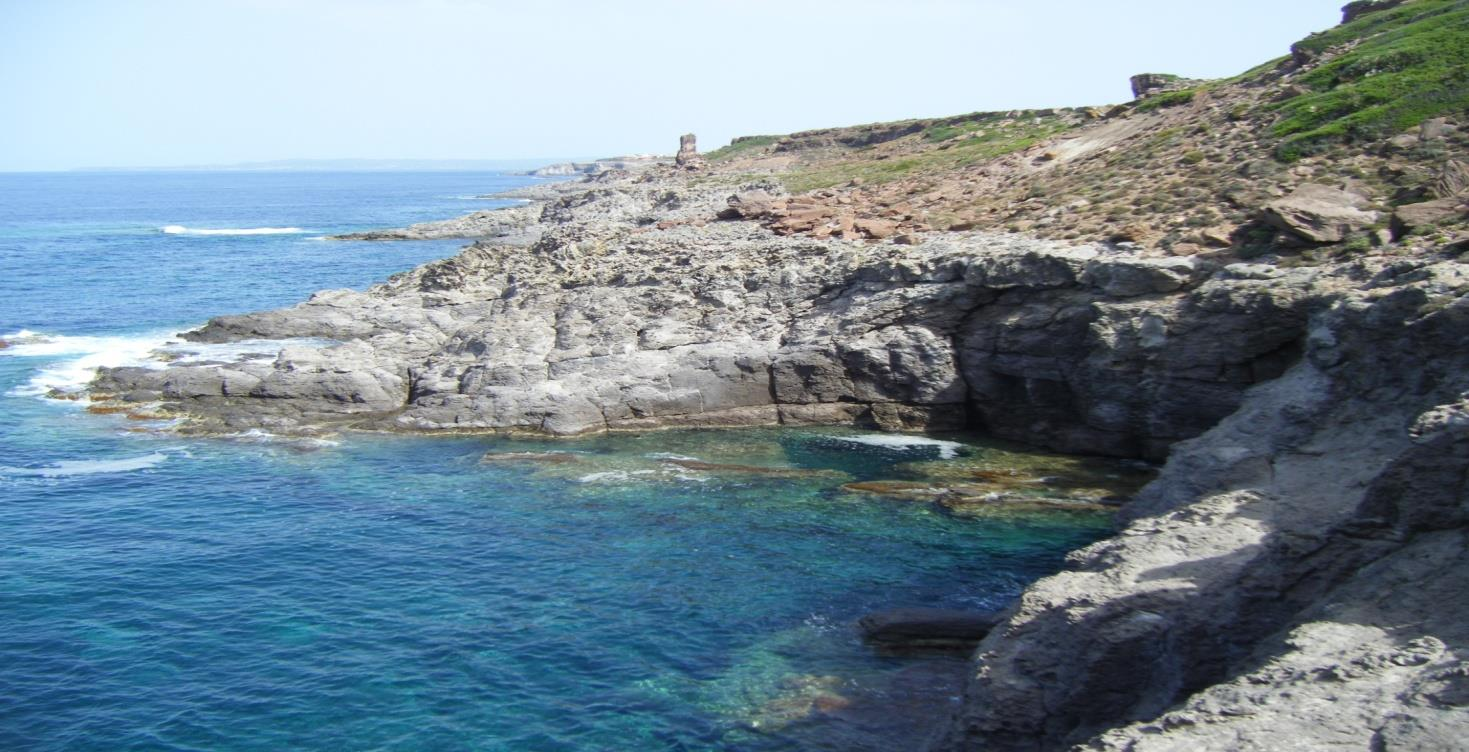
181	230
67	468
947	449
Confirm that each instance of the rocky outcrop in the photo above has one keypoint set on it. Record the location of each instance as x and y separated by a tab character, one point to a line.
1319	213
1260	592
1358	8
688	152
1145	85
507	223
606	322
599	166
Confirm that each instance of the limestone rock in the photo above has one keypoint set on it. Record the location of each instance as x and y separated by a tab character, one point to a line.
1319	213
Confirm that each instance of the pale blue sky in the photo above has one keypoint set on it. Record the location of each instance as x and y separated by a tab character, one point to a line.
127	83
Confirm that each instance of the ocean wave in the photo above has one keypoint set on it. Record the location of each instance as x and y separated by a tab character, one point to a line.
181	230
258	436
91	353
947	449
81	355
67	468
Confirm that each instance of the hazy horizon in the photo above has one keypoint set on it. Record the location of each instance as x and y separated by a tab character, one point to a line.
166	84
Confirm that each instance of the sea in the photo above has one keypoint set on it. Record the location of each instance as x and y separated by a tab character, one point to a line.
681	590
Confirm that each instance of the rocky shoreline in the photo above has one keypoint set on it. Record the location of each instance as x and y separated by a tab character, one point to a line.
1315	455
1278	316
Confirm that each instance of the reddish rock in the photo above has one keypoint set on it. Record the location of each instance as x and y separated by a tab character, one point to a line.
876	229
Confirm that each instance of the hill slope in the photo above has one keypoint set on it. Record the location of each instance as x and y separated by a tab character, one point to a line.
1369	107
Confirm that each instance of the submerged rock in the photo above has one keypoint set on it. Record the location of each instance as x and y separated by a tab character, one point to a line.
914	628
719	467
553	458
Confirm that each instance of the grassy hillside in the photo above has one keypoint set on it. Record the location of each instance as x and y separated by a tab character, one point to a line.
1399	67
1184	171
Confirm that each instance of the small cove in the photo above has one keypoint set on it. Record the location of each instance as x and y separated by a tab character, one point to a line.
662	590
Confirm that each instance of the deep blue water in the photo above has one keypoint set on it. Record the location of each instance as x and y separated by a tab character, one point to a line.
381	592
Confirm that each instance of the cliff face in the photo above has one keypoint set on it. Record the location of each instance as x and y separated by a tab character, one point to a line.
1294	577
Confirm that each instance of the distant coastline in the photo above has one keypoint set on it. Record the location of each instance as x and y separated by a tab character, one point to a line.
350	165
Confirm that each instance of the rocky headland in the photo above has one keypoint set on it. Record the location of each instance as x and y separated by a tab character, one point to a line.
1277	313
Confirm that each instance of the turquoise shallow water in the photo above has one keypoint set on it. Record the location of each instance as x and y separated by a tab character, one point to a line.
387	592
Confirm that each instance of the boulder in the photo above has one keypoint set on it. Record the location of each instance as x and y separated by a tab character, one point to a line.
1319	213
876	228
927	627
748	205
1411	217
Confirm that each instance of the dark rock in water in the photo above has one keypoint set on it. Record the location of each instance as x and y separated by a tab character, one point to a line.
550	458
902	489
141	395
927	627
4	344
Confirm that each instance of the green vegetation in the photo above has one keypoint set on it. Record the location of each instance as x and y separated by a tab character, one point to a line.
978	140
959	126
739	146
1411	63
1168	99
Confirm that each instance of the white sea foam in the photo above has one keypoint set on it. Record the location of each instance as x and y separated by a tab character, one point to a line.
181	230
947	449
68	468
257	436
672	456
612	476
92	352
71	374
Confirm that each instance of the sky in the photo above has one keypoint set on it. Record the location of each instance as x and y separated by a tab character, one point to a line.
126	83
